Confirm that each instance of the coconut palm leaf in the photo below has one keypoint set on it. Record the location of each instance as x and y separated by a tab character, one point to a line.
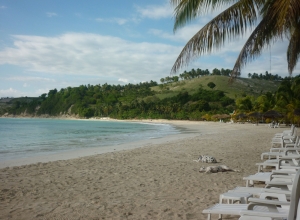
278	19
261	36
232	22
187	10
293	52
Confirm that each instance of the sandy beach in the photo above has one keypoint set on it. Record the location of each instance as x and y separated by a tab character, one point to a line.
151	179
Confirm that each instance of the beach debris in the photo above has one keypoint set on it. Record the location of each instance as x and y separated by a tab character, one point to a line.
216	169
206	159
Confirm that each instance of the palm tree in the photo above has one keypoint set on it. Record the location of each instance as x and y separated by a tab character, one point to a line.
270	21
288	97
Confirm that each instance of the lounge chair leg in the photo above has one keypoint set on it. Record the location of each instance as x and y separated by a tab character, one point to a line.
208	217
220	216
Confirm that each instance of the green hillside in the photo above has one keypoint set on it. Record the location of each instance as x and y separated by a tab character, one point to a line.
236	89
188	99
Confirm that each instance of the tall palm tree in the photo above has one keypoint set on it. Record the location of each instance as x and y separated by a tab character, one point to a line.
269	20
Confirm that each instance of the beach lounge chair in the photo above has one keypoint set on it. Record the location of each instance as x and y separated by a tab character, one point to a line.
285	164
282	139
286	132
278	153
260	206
235	209
281	153
274	212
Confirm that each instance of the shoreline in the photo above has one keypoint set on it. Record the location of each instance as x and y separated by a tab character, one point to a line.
158	180
193	129
79	153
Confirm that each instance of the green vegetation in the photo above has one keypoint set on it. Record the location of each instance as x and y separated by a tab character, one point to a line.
286	101
189	99
211	85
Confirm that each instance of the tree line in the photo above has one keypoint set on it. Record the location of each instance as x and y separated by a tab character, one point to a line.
186	75
139	101
286	100
125	102
266	76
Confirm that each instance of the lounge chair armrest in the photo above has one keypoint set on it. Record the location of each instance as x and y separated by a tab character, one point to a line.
283	177
279	149
267	201
277	183
291	150
289	167
289	145
278	191
273	214
283	172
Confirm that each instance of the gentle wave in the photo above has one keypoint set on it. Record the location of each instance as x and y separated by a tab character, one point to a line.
28	137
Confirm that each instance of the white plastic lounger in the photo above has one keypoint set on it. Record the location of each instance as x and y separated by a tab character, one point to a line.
260	177
286	132
236	209
274	212
262	207
285	173
285	152
268	163
225	209
277	190
257	191
288	160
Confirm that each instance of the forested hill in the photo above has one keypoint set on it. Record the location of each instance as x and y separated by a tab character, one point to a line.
190	99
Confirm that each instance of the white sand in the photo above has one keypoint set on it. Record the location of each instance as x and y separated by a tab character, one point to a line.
151	179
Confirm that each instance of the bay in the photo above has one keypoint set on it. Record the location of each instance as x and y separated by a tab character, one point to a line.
29	137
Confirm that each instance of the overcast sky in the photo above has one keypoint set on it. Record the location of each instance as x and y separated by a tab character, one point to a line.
47	44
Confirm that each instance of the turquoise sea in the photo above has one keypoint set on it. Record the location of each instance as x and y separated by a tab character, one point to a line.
22	138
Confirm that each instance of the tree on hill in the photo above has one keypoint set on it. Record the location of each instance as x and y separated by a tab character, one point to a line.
270	21
211	85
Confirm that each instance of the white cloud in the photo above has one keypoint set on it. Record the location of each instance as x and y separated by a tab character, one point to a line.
123	80
51	14
155	11
41	91
90	54
10	93
92	58
182	35
30	78
25	85
3	7
119	21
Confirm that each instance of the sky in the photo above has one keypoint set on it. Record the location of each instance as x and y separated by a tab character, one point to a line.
55	44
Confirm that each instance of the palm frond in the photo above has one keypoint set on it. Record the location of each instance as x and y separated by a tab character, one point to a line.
272	27
285	12
293	51
259	38
187	10
232	22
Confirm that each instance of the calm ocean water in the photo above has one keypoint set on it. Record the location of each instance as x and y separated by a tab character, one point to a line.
21	138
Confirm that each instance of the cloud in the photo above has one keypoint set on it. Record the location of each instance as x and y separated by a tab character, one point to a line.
183	35
155	11
30	78
119	21
51	14
3	7
90	58
123	80
109	58
10	93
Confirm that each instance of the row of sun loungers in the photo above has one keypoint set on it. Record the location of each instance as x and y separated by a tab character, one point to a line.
279	199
